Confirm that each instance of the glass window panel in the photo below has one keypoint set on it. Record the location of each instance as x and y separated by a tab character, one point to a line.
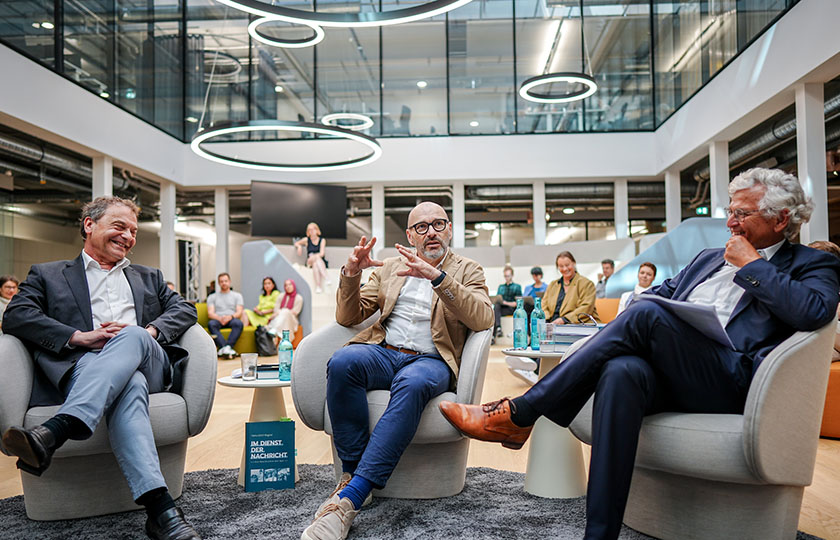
481	95
677	61
618	54
90	46
30	27
414	79
149	63
754	15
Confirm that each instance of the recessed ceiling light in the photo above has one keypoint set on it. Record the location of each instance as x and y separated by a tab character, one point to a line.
36	25
191	119
104	94
278	89
48	25
422	84
547	216
130	93
474	123
568	211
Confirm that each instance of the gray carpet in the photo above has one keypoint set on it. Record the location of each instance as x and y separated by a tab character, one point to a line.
492	506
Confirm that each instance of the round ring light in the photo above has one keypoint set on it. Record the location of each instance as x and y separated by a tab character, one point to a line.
332	119
227	66
346	20
590	87
280	125
254	32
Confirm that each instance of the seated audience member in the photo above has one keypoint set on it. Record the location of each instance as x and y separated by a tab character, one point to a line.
316	249
568	300
647	273
646	361
171	286
8	288
538	286
260	315
607	269
834	249
286	310
505	301
99	356
224	310
431	297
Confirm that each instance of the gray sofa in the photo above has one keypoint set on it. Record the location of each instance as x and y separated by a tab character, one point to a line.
84	478
435	463
733	475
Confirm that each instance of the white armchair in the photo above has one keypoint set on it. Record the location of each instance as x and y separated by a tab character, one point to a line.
733	475
84	478
434	464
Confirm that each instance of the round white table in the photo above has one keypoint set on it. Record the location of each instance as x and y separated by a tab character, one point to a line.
267	405
555	457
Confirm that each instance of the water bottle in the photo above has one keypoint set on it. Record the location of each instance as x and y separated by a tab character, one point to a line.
537	325
520	326
284	358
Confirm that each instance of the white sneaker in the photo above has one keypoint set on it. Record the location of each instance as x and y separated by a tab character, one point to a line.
229	351
517	362
333	523
318	290
529	377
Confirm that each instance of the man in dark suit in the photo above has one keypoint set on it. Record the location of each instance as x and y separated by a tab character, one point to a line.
101	331
647	360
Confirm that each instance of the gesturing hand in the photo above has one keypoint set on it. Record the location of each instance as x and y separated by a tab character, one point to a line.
360	258
739	251
417	267
96	339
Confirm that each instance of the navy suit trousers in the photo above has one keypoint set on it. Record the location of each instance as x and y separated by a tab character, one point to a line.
645	361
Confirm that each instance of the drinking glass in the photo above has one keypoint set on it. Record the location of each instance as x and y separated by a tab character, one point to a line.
249	366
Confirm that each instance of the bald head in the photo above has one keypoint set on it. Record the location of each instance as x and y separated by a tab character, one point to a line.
426	208
431	243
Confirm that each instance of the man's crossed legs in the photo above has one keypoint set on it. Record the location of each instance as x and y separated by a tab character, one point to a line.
368	459
643	362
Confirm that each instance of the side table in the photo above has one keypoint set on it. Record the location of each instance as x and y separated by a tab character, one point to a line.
555	458
267	405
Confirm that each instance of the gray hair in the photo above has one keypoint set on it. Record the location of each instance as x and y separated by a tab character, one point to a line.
782	191
96	208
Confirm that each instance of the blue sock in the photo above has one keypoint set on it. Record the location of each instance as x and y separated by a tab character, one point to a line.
349	466
357	491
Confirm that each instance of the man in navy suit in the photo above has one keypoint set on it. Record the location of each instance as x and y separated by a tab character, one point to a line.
647	360
101	331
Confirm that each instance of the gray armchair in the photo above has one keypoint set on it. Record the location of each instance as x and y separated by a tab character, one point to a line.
733	475
84	478
435	463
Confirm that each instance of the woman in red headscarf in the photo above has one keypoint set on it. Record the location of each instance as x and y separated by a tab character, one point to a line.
286	310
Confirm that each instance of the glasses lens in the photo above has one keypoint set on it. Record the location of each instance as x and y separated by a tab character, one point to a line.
439	224
421	228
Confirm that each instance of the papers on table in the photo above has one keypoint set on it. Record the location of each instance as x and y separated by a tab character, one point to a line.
703	318
566	334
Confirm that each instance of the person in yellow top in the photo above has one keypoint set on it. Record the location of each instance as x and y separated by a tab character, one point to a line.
572	297
260	315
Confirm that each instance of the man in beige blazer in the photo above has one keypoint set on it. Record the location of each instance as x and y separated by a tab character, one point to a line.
428	299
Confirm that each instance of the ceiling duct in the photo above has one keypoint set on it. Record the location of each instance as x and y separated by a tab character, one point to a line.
777	134
588	192
41	155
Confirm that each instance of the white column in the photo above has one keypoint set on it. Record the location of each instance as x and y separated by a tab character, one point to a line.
810	157
222	230
168	256
621	209
458	215
377	216
673	199
539	212
103	177
719	178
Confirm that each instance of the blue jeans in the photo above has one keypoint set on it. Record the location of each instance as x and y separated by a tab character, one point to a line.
413	381
215	326
115	384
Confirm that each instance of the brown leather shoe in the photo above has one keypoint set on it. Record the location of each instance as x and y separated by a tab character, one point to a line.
489	422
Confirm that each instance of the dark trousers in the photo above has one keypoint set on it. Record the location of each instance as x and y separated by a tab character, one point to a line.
498	311
645	361
215	326
413	381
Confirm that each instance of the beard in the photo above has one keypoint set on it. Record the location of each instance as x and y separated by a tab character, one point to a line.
436	253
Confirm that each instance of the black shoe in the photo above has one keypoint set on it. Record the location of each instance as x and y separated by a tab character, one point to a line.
34	447
170	525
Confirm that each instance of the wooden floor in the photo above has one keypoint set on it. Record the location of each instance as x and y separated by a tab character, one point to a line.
220	446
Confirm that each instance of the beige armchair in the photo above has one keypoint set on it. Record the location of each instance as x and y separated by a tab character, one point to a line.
435	463
84	478
733	475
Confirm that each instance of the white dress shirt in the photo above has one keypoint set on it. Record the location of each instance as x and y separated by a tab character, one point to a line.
110	294
720	289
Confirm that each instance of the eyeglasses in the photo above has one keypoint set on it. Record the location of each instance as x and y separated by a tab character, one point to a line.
740	215
423	227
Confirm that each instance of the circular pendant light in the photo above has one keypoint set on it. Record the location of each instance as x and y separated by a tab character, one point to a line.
363	122
590	87
279	125
254	32
346	20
